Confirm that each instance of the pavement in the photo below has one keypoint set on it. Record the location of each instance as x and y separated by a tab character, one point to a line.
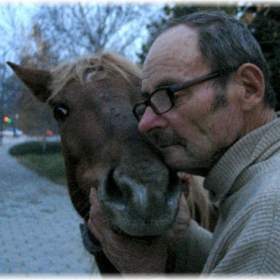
39	228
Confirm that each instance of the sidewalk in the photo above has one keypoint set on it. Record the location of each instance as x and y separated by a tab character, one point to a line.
39	228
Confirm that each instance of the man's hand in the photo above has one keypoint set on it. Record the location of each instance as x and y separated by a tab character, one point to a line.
132	255
128	255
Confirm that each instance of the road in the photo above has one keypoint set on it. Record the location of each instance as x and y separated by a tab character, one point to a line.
39	228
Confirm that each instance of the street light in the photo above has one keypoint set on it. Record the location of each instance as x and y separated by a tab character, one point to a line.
7	119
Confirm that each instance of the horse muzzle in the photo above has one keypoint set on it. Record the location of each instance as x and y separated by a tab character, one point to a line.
145	208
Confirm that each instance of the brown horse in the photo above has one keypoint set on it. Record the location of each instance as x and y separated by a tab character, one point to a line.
92	101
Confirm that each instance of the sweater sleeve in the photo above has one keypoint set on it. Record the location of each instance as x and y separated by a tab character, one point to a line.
193	249
255	246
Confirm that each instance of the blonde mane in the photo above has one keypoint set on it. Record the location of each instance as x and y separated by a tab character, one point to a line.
99	63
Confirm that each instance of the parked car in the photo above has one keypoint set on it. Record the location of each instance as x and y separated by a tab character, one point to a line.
10	132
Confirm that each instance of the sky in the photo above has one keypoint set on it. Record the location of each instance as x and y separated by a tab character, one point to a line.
15	33
15	30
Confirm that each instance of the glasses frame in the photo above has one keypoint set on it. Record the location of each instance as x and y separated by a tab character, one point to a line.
170	90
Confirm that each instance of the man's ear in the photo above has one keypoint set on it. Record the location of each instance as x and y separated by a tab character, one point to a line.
252	80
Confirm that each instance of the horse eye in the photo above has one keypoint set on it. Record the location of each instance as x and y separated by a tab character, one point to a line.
60	113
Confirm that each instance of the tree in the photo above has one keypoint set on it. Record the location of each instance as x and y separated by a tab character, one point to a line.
76	29
12	88
263	20
10	32
35	117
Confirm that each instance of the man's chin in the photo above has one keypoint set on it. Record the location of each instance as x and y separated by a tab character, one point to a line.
174	164
188	167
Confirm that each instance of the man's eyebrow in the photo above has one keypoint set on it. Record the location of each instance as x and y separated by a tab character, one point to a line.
163	83
166	83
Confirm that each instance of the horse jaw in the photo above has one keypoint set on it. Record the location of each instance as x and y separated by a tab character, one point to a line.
37	81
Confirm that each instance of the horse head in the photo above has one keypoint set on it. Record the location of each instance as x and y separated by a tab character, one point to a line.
92	101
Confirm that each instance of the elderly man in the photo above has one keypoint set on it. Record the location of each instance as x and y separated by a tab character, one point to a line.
209	108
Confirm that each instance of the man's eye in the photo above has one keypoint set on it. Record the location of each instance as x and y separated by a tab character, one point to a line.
60	112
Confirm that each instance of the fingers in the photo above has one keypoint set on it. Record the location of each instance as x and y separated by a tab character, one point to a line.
98	222
128	255
185	182
93	197
179	227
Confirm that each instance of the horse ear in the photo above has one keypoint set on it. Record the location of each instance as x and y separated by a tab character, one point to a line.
36	80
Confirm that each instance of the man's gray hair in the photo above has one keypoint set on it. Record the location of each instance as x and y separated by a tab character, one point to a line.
226	43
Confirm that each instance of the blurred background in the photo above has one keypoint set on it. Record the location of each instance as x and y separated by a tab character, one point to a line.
45	34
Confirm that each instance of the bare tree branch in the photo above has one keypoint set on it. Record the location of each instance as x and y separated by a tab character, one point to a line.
76	29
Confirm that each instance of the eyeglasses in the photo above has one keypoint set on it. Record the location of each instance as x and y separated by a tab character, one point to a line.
162	99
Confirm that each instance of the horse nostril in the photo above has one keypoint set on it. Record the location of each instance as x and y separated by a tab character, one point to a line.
139	207
113	190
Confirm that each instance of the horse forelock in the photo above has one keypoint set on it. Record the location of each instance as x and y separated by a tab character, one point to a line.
92	66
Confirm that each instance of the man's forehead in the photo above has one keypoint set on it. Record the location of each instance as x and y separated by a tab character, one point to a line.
179	31
176	37
172	56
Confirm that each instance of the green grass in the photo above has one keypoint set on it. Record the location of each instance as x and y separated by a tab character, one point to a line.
49	164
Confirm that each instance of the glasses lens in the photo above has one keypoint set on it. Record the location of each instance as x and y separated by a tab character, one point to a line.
139	110
161	101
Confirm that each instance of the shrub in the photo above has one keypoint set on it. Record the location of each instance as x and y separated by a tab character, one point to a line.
35	147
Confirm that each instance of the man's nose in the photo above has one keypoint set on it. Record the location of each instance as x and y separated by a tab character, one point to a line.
150	120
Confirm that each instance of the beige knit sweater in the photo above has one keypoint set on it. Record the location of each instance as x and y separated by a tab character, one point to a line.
246	182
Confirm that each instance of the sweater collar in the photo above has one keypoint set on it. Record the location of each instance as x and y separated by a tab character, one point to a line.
246	151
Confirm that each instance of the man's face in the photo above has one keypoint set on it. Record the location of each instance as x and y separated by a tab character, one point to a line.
194	133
